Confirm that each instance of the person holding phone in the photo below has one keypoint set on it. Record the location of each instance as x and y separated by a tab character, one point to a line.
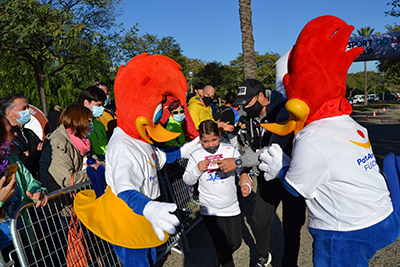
211	165
22	187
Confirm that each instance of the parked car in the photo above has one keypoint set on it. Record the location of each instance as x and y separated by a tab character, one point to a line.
373	97
358	99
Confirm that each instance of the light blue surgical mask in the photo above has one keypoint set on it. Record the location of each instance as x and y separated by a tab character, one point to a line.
107	101
179	117
97	111
24	117
89	132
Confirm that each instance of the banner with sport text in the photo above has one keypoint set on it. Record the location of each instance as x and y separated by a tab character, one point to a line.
377	47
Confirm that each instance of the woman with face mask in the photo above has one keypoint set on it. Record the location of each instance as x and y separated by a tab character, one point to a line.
174	123
64	149
18	188
219	205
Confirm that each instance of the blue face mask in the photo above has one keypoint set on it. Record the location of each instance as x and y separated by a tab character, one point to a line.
97	111
89	132
24	117
179	117
107	101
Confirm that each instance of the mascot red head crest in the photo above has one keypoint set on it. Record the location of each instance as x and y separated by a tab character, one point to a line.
140	87
317	69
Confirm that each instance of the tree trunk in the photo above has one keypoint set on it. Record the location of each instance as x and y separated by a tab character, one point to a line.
42	92
365	84
246	26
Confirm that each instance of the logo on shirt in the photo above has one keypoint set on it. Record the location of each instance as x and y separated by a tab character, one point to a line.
154	166
360	144
213	177
153	179
368	162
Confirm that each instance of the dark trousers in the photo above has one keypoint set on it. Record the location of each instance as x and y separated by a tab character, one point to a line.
269	194
226	234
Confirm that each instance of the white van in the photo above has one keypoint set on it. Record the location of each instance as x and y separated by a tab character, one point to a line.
358	99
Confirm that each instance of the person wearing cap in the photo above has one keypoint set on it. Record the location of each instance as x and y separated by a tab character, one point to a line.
200	109
264	106
53	118
108	118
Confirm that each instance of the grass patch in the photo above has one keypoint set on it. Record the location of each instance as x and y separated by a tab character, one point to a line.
363	108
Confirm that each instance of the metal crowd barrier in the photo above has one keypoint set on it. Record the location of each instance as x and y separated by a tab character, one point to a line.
174	190
40	235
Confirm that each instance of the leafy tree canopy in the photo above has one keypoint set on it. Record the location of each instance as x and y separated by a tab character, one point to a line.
52	36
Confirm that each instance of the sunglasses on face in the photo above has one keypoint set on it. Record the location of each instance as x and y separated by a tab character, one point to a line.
178	111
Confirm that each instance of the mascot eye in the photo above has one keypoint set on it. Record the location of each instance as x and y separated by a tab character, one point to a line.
158	114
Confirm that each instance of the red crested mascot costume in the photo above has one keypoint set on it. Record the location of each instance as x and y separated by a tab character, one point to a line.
350	212
125	214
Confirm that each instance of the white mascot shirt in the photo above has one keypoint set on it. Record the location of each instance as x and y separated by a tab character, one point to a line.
132	165
335	170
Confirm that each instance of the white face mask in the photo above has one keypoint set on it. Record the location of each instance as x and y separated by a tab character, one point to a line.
97	111
179	117
24	116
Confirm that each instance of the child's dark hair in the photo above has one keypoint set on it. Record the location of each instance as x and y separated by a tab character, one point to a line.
174	105
93	93
208	127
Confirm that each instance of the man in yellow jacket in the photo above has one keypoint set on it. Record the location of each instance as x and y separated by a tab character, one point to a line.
200	109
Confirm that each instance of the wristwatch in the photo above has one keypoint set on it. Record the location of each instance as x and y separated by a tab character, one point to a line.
238	162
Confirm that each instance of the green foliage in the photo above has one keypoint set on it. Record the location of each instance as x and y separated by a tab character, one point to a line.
355	83
395	10
390	68
132	45
365	31
265	68
54	38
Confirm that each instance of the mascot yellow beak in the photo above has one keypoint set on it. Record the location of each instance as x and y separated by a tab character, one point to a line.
158	133
298	111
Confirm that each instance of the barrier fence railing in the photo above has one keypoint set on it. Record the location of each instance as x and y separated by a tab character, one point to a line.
40	235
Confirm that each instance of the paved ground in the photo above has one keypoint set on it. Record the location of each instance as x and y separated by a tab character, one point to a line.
384	130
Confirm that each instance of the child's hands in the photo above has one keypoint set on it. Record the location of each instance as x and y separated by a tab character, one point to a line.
39	197
245	184
226	165
6	192
96	164
203	165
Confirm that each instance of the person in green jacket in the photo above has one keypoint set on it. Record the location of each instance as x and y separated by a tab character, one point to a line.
174	123
21	188
93	98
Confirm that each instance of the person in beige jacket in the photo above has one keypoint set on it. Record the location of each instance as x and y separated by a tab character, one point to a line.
65	148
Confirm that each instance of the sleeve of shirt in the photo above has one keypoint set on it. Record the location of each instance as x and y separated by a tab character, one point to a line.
29	183
192	173
195	114
308	170
62	168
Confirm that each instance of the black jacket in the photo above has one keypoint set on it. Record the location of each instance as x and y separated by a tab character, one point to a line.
27	140
53	119
258	137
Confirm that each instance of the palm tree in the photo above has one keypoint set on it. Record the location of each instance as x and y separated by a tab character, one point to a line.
246	26
366	31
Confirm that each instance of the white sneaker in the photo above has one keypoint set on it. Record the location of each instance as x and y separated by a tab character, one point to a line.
263	262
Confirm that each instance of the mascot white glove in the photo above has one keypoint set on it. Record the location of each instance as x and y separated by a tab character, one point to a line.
187	148
160	217
273	160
